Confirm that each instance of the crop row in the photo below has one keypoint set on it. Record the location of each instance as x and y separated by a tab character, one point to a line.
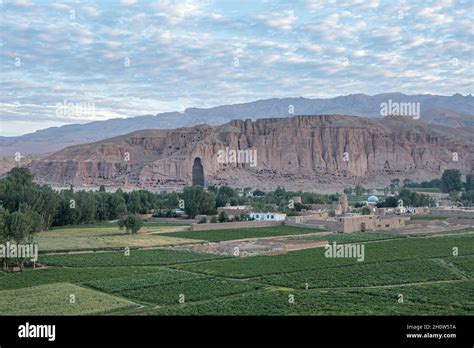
162	277
221	235
390	250
55	299
187	291
135	258
33	277
364	274
316	302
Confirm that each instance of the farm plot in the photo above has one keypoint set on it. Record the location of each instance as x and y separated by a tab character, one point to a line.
189	291
166	287
161	277
54	299
465	264
136	258
458	295
350	237
361	275
311	302
391	250
33	277
223	235
51	243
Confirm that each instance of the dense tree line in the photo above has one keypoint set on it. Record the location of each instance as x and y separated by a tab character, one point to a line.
409	198
44	207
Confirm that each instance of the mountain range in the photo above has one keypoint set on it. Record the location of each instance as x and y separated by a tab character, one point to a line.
300	152
452	111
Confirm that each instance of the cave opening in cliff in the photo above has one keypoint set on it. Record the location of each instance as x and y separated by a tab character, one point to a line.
198	172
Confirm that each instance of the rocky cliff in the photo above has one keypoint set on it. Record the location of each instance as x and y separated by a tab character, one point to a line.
301	152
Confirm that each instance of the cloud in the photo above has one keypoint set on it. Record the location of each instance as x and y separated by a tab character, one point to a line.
184	53
279	20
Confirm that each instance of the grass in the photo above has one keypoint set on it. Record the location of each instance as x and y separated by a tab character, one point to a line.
427	217
33	277
146	224
370	274
190	291
54	299
120	259
418	300
350	237
103	238
71	243
391	250
424	189
231	234
422	269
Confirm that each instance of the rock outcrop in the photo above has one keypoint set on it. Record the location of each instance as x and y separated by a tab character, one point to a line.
301	152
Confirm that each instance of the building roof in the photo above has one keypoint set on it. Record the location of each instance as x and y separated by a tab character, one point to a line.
373	199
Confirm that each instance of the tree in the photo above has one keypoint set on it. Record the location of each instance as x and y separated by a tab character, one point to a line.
197	201
212	188
116	206
469	185
224	195
389	202
359	190
4	234
20	228
348	190
332	213
223	217
134	203
451	180
365	210
20	176
467	198
86	205
132	223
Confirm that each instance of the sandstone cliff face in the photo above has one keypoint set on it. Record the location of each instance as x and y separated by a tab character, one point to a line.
302	152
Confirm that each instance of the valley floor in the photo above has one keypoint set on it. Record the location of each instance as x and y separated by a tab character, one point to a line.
401	275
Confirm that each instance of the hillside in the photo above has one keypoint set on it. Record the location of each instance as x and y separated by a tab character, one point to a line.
452	111
301	152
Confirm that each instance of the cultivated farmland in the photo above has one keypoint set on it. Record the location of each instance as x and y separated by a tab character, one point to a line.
433	274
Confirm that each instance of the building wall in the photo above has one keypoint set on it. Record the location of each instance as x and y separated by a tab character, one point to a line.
465	213
268	216
372	223
233	225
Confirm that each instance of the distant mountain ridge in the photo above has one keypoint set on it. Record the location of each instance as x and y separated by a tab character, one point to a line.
451	111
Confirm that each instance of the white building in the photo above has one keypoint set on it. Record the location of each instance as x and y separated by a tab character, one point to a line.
268	216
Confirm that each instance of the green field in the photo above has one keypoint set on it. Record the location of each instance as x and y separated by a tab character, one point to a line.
221	235
55	299
106	236
436	299
390	250
421	268
424	189
115	259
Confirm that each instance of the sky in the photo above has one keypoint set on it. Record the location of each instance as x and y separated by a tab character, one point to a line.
72	61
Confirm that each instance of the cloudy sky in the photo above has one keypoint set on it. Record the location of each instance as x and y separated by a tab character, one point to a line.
131	57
